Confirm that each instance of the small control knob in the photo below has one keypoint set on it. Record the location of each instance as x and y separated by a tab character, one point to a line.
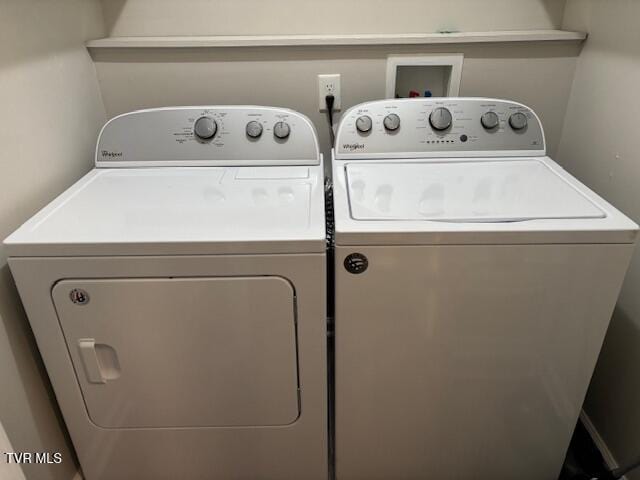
490	120
281	130
440	119
364	124
205	128
254	129
518	121
391	122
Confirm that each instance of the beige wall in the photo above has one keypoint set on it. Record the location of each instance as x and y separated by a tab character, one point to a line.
51	110
601	146
8	471
253	17
539	75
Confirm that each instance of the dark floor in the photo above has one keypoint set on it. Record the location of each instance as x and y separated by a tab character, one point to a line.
583	460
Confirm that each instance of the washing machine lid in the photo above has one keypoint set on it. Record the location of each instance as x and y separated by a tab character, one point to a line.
181	210
498	191
470	201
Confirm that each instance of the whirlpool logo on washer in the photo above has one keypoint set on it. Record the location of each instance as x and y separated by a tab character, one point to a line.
109	154
352	147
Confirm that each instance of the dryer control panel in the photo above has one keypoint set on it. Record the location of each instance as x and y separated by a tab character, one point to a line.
208	136
439	127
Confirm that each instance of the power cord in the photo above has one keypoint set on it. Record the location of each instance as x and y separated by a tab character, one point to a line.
329	101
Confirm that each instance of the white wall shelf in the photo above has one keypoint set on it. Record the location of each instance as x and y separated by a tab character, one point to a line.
338	40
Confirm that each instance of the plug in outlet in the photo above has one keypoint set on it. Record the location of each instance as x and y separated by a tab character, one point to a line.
329	85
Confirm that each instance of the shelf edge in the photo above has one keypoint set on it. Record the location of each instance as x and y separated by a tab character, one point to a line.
337	40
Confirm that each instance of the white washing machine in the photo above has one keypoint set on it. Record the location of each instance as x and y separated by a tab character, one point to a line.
177	295
475	280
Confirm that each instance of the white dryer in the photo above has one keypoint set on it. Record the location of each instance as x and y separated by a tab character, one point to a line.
177	295
475	280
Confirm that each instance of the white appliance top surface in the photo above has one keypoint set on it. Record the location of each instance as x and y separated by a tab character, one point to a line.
499	191
181	210
466	201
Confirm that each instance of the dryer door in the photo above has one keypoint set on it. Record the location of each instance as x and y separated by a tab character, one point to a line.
182	352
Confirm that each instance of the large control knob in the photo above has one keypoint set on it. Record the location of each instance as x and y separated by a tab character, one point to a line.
281	130
518	121
391	122
364	124
205	128
254	129
490	120
440	119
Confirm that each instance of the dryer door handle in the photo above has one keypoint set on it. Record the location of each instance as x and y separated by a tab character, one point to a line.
87	347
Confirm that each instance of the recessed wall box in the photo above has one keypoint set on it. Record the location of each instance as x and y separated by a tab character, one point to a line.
439	75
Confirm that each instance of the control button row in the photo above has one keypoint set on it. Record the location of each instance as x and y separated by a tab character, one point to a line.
205	128
491	121
441	119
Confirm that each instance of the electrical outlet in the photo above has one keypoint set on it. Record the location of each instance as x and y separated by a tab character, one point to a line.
329	85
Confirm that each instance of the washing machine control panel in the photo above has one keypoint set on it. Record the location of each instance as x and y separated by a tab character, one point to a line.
225	135
439	127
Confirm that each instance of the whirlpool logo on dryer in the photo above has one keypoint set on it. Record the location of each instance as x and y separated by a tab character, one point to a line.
352	147
108	154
